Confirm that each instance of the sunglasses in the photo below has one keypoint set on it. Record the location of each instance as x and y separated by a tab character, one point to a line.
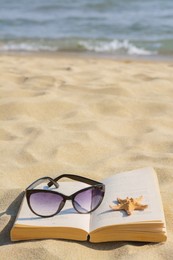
47	203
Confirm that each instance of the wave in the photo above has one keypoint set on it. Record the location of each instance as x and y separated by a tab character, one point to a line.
118	47
113	46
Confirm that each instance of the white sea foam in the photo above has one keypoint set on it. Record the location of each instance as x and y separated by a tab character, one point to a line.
114	46
26	47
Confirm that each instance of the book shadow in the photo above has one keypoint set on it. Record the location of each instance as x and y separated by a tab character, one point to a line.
107	246
11	211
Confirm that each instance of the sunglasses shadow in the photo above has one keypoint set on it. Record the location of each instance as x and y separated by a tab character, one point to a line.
68	211
63	212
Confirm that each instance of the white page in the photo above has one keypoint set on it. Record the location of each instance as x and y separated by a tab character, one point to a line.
68	217
129	184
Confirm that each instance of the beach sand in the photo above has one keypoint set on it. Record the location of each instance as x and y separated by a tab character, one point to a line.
84	115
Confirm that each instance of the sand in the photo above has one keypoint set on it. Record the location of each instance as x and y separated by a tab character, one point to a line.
85	115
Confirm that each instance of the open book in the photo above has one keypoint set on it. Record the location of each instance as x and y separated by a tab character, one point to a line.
104	224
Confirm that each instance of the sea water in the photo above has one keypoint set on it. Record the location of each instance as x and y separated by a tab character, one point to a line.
127	27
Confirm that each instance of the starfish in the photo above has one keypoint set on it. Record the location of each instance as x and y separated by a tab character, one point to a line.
129	204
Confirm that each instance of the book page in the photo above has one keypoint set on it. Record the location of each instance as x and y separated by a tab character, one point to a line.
142	182
67	217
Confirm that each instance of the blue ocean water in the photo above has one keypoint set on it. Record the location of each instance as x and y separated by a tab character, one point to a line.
127	27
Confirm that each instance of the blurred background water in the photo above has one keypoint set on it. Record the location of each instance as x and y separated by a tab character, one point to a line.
127	27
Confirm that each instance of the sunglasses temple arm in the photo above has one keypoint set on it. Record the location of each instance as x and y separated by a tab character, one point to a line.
76	178
39	181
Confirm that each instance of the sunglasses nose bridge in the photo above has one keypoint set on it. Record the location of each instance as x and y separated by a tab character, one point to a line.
68	197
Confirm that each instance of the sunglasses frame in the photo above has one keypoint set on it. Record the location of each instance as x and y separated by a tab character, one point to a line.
94	184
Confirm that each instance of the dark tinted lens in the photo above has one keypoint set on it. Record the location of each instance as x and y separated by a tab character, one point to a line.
88	200
97	197
45	203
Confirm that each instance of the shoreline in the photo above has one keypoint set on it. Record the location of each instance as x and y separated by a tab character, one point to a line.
90	55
